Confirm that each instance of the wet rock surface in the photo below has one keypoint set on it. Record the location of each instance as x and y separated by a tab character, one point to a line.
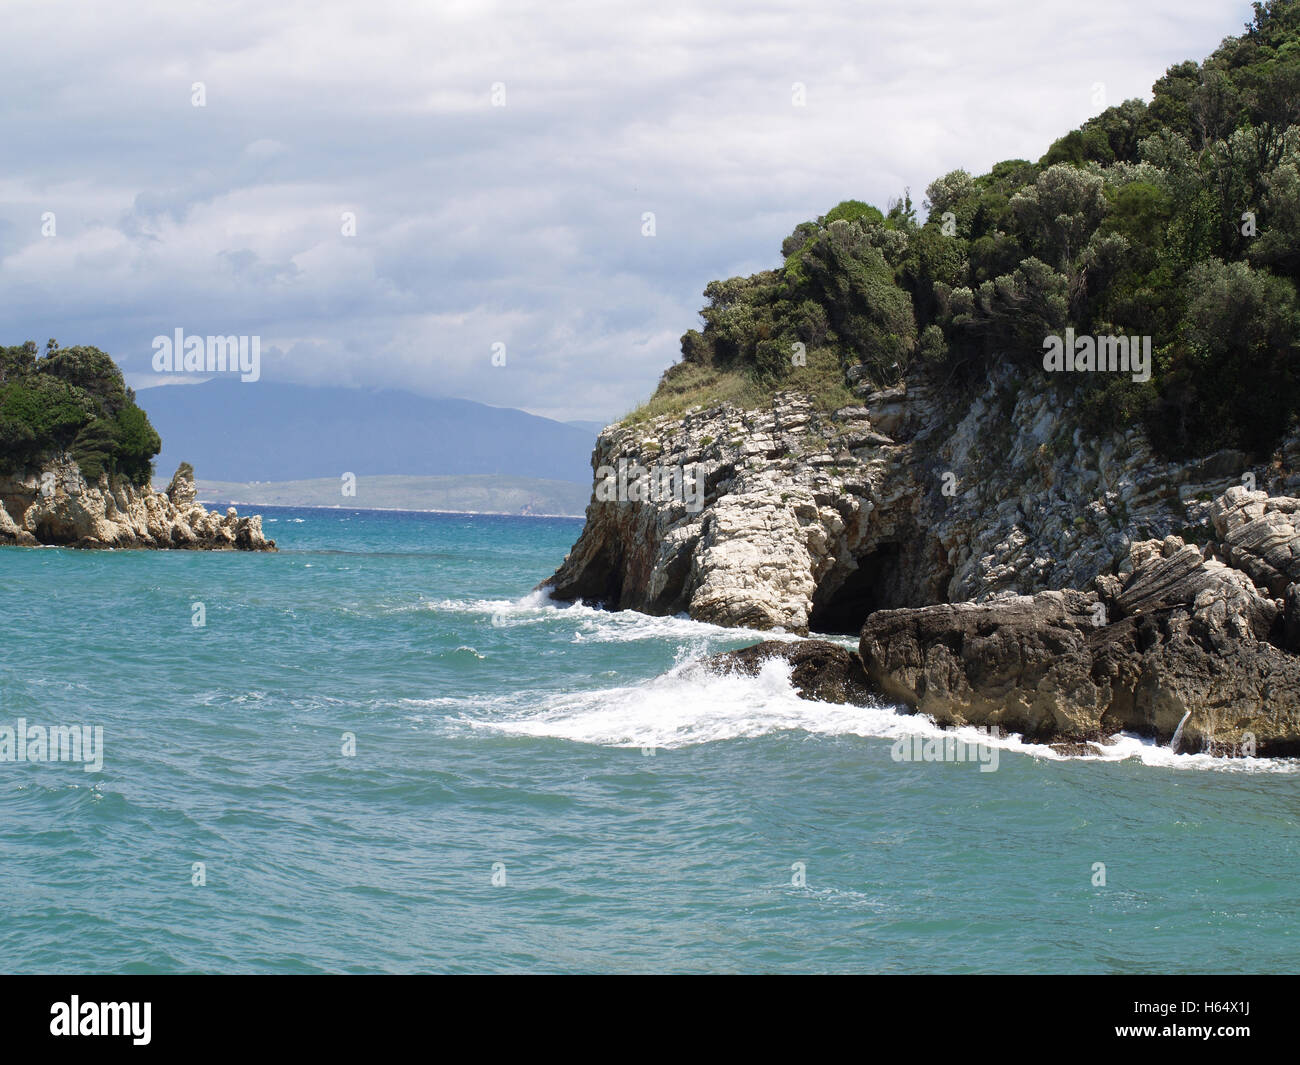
1180	640
819	670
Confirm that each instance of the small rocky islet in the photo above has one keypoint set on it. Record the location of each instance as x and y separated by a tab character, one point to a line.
55	505
77	457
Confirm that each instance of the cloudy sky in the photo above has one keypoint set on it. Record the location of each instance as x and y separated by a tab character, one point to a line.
479	224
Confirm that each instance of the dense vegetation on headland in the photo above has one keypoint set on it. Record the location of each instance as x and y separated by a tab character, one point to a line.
73	400
1178	220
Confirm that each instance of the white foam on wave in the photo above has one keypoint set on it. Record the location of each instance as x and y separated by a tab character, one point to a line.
1148	752
593	625
690	705
684	707
535	606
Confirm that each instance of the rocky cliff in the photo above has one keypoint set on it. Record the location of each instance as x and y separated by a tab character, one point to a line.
812	520
54	504
1001	566
1185	636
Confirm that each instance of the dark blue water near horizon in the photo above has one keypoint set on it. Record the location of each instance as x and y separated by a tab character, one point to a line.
534	787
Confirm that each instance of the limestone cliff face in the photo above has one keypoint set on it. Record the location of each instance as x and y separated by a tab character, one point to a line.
812	520
56	505
1201	639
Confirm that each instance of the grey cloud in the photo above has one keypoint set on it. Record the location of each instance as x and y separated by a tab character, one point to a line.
519	224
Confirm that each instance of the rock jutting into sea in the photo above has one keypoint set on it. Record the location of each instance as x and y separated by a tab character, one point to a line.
56	505
1181	638
813	519
1000	566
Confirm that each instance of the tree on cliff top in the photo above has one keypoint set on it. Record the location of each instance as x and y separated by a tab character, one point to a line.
1171	220
75	400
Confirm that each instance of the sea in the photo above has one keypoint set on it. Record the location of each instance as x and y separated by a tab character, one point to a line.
380	750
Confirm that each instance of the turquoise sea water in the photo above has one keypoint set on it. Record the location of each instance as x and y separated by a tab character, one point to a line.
634	813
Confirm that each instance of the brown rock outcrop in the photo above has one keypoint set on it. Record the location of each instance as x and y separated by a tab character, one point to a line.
1181	640
819	669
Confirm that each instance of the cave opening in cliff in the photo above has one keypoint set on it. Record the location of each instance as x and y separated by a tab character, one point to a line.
872	586
47	531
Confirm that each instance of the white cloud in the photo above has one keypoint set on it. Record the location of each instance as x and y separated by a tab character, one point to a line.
519	223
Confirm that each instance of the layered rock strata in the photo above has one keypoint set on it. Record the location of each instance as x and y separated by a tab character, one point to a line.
56	505
812	520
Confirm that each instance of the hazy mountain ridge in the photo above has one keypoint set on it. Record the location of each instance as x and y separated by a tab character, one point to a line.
265	431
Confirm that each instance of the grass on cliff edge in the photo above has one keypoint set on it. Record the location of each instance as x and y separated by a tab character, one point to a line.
688	385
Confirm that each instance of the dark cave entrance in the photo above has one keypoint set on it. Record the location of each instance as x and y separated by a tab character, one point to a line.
872	586
48	532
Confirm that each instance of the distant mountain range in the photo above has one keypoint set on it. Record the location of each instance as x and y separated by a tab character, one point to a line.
260	431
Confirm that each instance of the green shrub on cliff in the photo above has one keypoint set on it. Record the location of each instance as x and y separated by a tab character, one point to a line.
1178	220
74	400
